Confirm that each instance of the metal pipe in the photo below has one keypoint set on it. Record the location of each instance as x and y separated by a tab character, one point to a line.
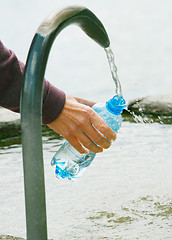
31	108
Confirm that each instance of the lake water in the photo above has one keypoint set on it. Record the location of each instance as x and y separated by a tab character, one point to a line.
126	193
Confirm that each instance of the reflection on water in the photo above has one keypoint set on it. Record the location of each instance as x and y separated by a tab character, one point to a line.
125	194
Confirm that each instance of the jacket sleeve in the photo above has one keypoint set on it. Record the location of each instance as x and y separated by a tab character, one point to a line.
11	75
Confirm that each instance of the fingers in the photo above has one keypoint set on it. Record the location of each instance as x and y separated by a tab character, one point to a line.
85	144
85	101
102	126
88	137
83	127
77	145
91	138
97	137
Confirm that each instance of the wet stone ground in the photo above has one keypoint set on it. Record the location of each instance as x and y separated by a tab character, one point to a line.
7	237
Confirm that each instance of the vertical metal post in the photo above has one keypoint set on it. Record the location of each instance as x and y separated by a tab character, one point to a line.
31	108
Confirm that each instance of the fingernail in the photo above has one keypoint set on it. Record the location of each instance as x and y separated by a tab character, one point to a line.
100	149
86	151
114	137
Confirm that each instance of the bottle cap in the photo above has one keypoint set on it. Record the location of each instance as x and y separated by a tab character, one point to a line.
116	105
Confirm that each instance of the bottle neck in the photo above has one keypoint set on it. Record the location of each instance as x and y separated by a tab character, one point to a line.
116	105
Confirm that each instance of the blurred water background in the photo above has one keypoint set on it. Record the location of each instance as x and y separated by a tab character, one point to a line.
126	193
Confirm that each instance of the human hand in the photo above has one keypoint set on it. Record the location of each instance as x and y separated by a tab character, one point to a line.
82	127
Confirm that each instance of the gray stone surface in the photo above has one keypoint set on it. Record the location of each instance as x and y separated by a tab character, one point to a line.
8	237
9	124
7	116
10	127
155	105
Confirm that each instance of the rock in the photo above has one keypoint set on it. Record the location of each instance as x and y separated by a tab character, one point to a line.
10	127
8	237
154	105
9	124
7	116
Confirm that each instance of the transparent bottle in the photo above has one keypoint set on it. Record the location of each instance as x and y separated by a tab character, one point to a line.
69	162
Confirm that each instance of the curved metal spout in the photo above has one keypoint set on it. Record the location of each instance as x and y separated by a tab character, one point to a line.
80	16
31	108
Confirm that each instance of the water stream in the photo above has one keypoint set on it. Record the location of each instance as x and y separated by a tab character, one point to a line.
113	69
126	193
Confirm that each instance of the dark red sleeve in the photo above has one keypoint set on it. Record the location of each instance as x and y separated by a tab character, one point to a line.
11	75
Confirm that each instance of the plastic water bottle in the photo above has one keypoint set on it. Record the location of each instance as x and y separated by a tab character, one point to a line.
69	162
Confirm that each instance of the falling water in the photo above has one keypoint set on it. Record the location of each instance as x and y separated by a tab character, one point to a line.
110	56
113	68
